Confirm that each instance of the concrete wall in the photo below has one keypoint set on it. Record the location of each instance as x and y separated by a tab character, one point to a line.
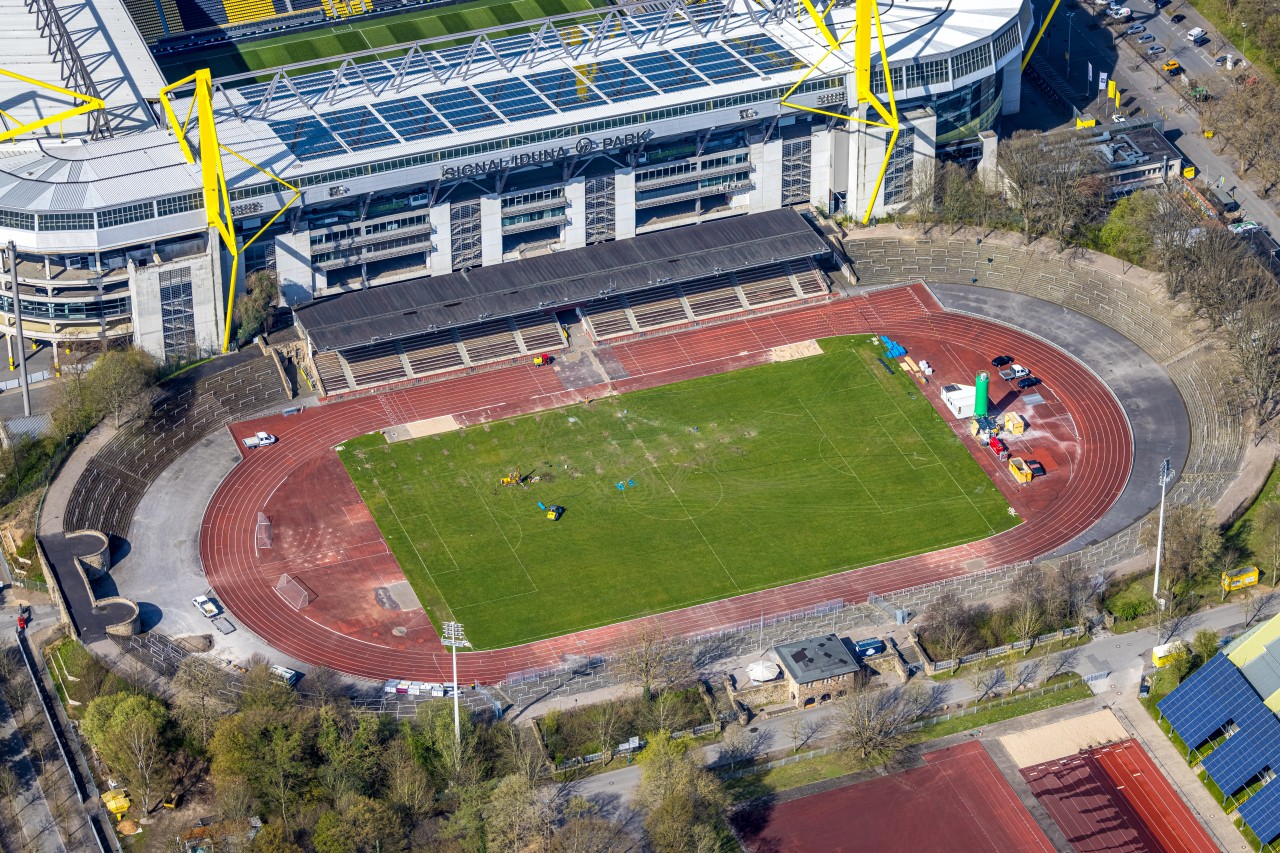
206	294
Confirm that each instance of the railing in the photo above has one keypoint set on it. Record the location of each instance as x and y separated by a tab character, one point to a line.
955	663
62	48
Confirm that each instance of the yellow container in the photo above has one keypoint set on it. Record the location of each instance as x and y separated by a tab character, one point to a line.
1019	469
1015	423
1188	172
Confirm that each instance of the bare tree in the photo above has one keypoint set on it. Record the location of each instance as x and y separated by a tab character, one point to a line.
803	728
950	625
875	722
1267	524
986	680
1254	335
585	831
408	786
654	660
198	700
140	742
740	745
1024	675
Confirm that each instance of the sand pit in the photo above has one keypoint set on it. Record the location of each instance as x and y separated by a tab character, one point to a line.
417	429
791	352
1065	738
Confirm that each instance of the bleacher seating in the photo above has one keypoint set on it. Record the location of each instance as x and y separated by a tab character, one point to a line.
656	307
767	284
607	318
194	404
488	341
432	352
332	377
711	296
198	14
808	277
539	332
243	11
375	363
146	14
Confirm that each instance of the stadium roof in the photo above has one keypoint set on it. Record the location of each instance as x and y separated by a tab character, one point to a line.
818	657
562	278
1257	654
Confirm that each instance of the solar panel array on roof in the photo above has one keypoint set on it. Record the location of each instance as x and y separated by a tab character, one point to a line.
1248	752
513	98
1262	813
1214	695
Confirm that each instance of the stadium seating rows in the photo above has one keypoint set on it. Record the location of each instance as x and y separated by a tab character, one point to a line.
674	304
435	352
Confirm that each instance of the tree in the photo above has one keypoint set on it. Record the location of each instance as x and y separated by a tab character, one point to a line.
875	722
585	831
1052	180
120	384
283	767
254	309
1252	605
950	625
1254	335
1191	538
273	838
262	690
986	680
199	705
408	786
1268	527
125	730
1204	645
679	798
654	660
1128	231
516	817
10	788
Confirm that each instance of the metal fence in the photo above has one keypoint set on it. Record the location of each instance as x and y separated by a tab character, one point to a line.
955	663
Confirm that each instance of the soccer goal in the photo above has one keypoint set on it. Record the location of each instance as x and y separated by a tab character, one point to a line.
294	592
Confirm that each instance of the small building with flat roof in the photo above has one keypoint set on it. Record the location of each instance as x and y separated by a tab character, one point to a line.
818	669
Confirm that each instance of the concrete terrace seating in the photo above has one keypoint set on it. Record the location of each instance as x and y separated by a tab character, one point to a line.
809	279
659	306
766	284
194	404
538	332
1138	310
711	296
432	352
489	341
332	376
375	363
607	318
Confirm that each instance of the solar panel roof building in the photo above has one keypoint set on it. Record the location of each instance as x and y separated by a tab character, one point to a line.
465	152
1221	712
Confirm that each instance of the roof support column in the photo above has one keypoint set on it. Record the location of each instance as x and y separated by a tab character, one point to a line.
490	230
575	227
441	240
624	210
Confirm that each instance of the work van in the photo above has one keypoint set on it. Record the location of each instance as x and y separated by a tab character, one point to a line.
1195	33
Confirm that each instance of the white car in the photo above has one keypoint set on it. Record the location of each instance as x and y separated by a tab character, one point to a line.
261	439
1121	14
1244	227
1118	118
206	606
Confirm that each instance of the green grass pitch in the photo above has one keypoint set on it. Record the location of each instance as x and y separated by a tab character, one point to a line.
363	33
743	481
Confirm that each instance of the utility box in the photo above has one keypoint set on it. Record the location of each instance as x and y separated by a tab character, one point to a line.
1015	424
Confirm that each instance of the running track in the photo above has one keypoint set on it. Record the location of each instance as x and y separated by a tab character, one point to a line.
227	541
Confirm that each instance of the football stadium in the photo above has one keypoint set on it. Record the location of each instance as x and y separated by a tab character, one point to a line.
347	145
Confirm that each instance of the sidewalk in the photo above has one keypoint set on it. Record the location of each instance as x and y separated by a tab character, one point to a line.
32	816
59	494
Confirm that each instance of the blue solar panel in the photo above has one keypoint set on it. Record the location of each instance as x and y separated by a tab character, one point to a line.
1262	812
714	61
306	137
411	118
764	53
1241	757
359	128
514	98
664	70
565	89
615	81
1213	696
462	108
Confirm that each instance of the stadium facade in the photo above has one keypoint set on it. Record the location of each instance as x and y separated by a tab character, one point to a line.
449	158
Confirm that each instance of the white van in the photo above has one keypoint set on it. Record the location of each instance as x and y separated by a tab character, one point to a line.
1194	34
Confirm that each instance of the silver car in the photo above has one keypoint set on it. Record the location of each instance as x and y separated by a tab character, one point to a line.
1146	38
1134	29
1155	49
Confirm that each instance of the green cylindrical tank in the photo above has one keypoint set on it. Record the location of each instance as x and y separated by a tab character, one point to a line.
980	395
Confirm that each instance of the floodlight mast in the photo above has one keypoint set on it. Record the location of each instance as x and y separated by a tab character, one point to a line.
453	638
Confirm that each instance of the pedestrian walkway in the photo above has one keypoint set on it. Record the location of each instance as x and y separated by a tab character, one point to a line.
30	813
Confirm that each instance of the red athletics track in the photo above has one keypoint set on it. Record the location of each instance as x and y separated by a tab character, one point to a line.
957	802
338	548
1113	798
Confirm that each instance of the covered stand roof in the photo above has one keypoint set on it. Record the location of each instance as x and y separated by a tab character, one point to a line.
557	280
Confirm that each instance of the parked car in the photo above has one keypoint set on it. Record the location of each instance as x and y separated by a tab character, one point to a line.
1118	118
1194	33
1014	371
1177	19
1172	67
1155	49
1202	41
1134	29
1147	38
206	606
1001	360
1244	227
1028	382
260	439
1120	14
1144	688
1220	61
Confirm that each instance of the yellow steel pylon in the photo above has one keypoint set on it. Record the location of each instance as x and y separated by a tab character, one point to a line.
89	104
217	199
866	15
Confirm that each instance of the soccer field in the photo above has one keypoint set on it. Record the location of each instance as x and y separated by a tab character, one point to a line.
733	483
363	33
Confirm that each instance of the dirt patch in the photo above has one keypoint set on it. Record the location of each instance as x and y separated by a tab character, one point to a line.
1067	737
791	352
195	642
418	429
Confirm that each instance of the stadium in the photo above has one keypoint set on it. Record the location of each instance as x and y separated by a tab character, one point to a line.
420	142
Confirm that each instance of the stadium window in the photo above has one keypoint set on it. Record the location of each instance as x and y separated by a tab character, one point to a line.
1008	41
179	204
124	215
971	61
18	219
66	222
919	74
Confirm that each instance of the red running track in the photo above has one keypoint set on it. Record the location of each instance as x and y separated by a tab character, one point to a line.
1114	798
957	802
243	579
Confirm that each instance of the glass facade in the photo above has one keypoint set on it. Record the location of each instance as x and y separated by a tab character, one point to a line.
177	313
89	309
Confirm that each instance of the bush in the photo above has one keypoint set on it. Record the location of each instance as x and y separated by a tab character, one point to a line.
1131	609
579	732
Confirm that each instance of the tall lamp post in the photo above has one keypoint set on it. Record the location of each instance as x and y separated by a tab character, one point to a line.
1070	15
453	637
1166	474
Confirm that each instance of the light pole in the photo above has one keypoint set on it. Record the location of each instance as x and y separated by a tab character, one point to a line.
1166	474
1070	15
454	638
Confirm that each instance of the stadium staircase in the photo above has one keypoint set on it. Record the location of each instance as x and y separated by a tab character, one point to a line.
194	404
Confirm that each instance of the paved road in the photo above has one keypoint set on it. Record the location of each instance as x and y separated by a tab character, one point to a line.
1146	89
1124	656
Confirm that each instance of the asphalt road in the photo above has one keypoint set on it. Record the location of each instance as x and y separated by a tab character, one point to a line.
1147	90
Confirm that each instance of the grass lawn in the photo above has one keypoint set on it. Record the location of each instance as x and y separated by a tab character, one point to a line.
743	481
360	33
77	675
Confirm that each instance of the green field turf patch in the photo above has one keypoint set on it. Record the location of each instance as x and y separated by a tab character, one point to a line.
360	32
742	481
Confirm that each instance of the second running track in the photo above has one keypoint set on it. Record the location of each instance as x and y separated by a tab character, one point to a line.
235	571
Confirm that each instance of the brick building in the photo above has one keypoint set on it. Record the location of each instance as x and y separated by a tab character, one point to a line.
818	669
